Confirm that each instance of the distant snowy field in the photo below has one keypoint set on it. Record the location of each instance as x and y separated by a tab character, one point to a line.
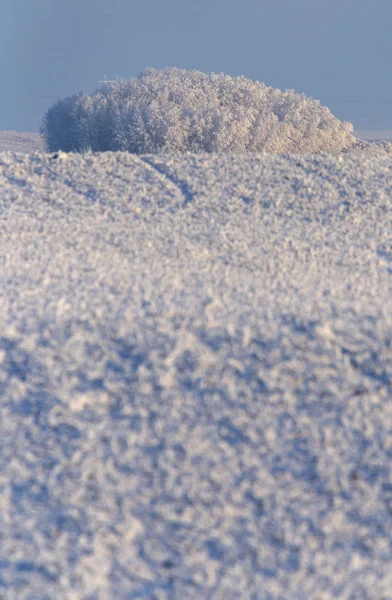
375	134
15	141
195	377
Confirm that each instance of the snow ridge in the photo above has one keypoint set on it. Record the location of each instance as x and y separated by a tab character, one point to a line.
195	396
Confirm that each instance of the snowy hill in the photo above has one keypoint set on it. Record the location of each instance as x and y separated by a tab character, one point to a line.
195	376
15	141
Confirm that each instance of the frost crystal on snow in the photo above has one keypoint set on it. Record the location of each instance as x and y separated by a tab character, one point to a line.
195	377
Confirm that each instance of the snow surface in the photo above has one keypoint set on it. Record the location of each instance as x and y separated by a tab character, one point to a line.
195	377
375	134
16	141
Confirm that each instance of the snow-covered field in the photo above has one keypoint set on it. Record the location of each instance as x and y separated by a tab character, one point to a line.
375	134
15	141
195	377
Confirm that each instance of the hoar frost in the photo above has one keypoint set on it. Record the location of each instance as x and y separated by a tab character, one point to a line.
173	110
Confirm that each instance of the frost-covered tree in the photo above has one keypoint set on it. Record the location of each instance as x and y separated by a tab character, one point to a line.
173	110
58	127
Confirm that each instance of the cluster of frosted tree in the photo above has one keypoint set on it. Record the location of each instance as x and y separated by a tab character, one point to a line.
172	110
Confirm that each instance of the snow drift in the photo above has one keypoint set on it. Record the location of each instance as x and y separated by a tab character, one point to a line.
195	377
173	110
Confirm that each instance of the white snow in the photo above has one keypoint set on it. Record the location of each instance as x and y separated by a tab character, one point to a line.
375	134
16	141
195	376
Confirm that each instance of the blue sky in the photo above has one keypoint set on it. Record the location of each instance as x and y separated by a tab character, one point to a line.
338	51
